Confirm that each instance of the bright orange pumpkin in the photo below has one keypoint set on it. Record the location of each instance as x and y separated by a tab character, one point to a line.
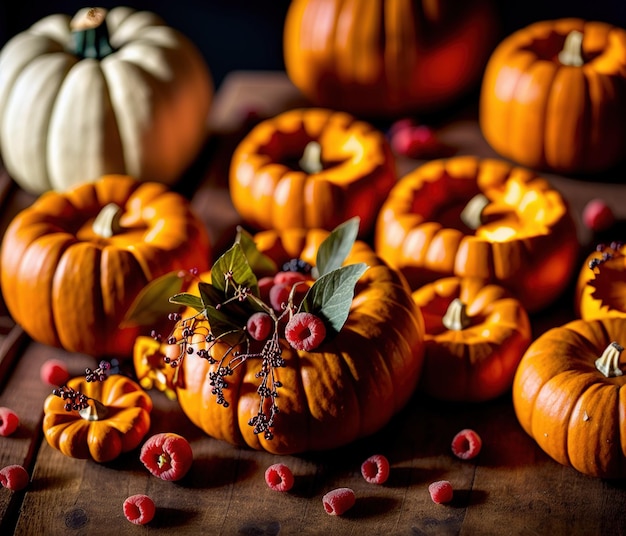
347	388
74	262
311	168
484	218
387	57
476	334
554	96
569	394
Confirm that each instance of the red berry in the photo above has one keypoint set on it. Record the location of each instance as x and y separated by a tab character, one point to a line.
414	141
338	501
598	216
139	509
167	456
279	477
279	296
441	492
260	326
265	284
14	477
289	277
375	469
305	331
400	124
54	372
9	421
466	444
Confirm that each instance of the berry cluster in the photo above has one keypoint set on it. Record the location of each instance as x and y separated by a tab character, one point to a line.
104	370
609	252
74	400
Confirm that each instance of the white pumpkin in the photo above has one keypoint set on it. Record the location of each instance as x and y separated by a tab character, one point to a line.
103	92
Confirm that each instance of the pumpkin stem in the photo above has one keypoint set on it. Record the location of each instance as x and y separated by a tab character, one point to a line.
107	222
572	53
471	215
456	318
608	362
95	411
311	160
90	35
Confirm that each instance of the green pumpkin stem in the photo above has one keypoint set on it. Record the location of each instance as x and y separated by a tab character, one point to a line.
608	362
456	318
572	53
311	160
472	213
95	411
107	222
90	35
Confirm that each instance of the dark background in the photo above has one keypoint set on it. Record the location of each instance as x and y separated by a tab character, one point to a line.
247	34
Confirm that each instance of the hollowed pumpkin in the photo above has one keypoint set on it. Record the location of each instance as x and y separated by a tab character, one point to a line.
484	218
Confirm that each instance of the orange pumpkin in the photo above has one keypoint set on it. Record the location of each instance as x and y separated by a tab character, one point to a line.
475	336
554	96
115	421
387	58
601	285
347	388
311	168
74	262
484	218
569	395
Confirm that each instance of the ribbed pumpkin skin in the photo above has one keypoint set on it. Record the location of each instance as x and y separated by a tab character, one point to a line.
478	362
546	115
142	110
70	288
347	388
124	426
526	243
270	192
573	412
387	57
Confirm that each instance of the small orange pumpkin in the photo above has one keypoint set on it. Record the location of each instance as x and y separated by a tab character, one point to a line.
347	388
569	395
554	96
116	420
74	262
601	285
311	168
476	334
484	218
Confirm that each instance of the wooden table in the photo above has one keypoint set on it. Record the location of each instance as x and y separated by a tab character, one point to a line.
511	488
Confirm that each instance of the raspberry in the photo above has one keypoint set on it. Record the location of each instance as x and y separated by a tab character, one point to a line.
14	477
54	372
305	331
338	501
279	296
375	469
259	326
167	456
414	141
441	492
265	284
139	509
466	444
9	421
279	477
598	216
288	277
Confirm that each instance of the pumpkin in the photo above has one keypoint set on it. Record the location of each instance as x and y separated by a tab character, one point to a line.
104	92
554	96
311	168
484	218
73	262
475	336
347	388
601	284
387	58
568	394
115	421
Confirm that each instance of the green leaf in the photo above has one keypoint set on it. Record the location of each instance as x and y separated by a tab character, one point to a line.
331	296
188	300
223	327
153	303
336	247
259	263
233	261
